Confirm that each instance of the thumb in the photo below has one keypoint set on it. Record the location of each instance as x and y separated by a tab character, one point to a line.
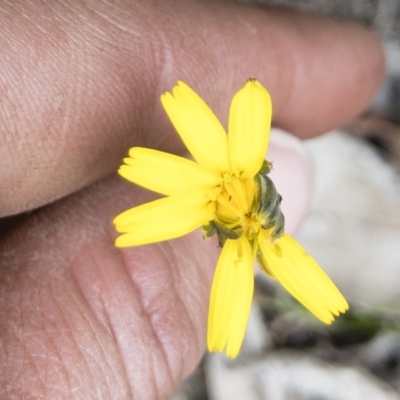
292	175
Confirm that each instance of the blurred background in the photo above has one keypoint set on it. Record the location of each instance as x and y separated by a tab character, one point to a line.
353	230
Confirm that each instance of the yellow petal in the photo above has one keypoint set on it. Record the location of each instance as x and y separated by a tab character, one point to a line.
249	128
166	173
302	277
162	219
199	128
231	296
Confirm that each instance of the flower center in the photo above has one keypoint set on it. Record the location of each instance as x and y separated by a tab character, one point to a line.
246	207
235	207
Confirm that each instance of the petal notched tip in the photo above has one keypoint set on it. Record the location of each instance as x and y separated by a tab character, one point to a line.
198	127
231	296
166	173
304	279
162	219
249	128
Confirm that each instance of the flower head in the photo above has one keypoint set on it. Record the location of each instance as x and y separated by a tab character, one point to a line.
226	191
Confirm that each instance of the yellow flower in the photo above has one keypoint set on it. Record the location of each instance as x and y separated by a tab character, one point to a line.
226	191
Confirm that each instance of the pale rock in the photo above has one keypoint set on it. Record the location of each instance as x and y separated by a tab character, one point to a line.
353	227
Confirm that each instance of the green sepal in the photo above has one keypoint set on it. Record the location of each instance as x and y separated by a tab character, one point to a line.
225	233
209	230
279	227
267	206
266	168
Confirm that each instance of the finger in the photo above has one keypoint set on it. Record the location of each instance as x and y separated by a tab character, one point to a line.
82	80
81	318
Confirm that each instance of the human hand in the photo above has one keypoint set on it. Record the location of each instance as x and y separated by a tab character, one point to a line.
81	319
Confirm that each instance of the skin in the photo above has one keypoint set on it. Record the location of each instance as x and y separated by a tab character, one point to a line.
80	83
